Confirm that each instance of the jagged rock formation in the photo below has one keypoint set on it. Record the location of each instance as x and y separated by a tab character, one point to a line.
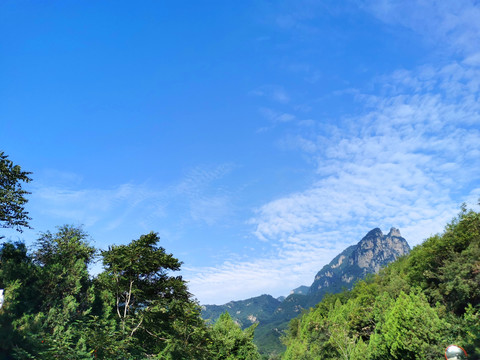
376	250
373	252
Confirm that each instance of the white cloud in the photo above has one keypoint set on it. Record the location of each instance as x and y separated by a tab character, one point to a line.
139	205
453	24
473	60
210	209
408	161
274	275
87	206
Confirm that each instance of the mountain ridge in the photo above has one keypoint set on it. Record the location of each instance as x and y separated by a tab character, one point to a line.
374	251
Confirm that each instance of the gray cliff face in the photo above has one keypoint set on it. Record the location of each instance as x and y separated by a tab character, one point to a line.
376	250
373	252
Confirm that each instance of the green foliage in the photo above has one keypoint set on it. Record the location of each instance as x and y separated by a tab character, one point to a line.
270	314
412	309
12	196
334	329
133	310
446	266
409	328
230	342
148	300
62	260
470	330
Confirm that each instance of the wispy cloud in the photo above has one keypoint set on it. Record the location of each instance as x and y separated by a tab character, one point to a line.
409	160
263	274
411	154
272	92
275	116
454	24
87	206
140	205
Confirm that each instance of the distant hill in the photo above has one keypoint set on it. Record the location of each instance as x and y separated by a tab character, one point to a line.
373	252
245	312
302	290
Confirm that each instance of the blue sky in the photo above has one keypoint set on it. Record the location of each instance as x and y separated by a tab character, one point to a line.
258	138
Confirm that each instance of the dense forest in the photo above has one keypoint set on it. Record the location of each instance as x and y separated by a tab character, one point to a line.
138	309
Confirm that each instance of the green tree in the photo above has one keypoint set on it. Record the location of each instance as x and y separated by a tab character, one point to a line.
308	337
192	336
19	278
67	292
63	258
446	266
12	196
470	331
152	306
342	331
230	342
102	330
17	265
408	329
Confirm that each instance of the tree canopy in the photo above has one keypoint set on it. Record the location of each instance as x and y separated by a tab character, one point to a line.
12	195
231	342
135	309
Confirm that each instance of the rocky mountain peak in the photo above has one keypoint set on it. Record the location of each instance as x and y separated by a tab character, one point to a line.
374	251
373	233
394	232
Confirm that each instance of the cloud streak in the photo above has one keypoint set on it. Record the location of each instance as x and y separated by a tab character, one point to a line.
408	160
140	206
454	24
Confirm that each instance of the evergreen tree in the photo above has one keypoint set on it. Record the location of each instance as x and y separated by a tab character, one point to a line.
19	279
230	342
153	308
409	329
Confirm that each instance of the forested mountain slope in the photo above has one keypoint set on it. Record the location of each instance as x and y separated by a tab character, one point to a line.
369	255
412	309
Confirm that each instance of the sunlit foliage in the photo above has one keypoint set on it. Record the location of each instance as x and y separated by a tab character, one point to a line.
413	309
